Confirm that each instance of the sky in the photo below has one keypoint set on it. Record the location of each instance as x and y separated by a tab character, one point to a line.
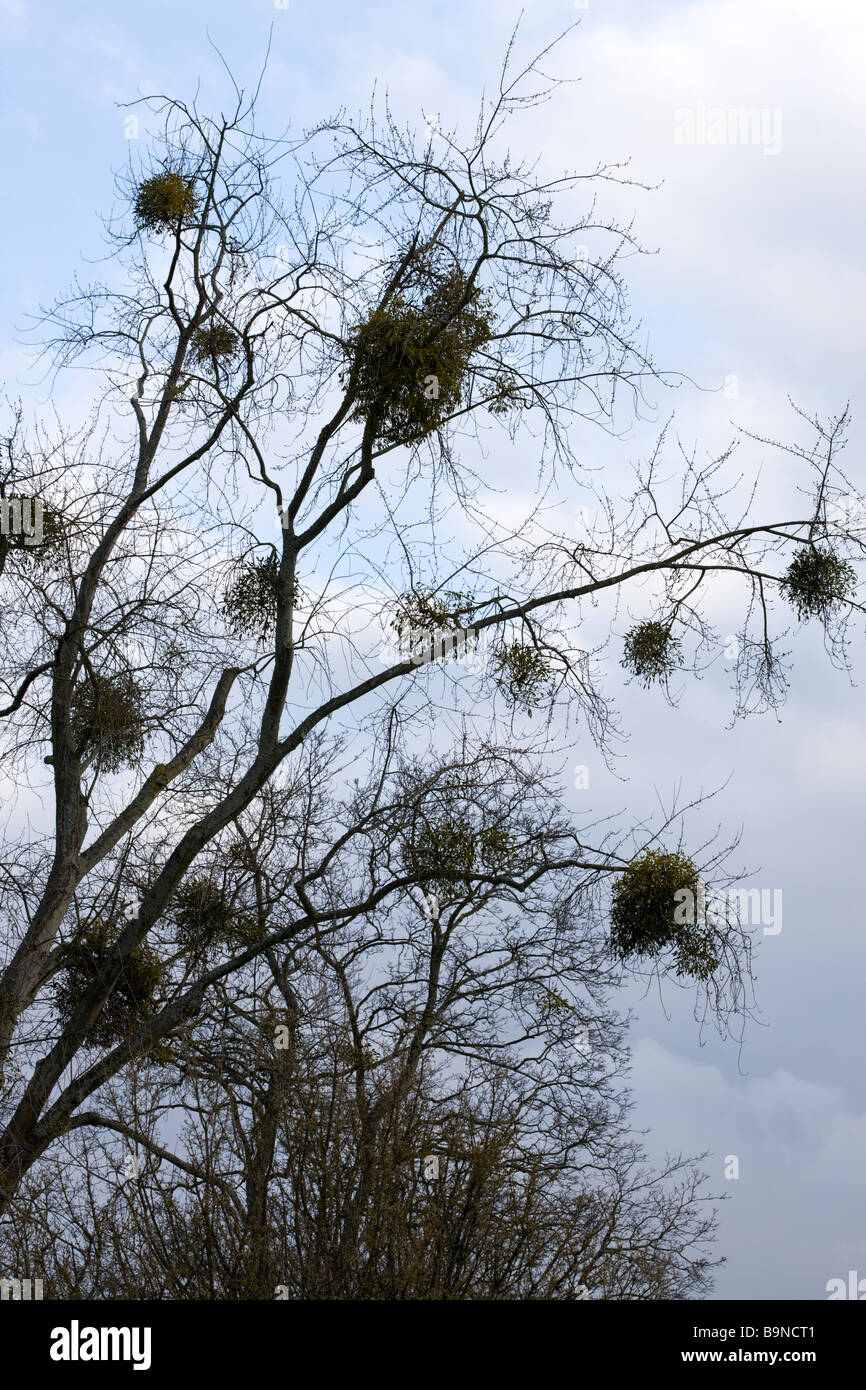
756	292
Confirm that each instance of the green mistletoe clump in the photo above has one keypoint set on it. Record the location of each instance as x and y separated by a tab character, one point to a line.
523	675
411	356
651	652
643	913
107	720
205	918
444	854
213	343
425	611
817	582
131	1001
165	201
250	599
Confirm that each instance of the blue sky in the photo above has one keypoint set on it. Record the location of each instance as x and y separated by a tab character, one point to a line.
759	277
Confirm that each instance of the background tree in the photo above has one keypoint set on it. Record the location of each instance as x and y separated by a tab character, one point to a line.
422	1102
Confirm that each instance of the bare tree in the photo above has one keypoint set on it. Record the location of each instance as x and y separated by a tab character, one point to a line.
169	648
424	1102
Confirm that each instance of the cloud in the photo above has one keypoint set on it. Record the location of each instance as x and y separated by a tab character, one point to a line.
794	1217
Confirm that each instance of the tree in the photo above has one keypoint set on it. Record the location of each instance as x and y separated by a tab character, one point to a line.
422	1103
168	652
